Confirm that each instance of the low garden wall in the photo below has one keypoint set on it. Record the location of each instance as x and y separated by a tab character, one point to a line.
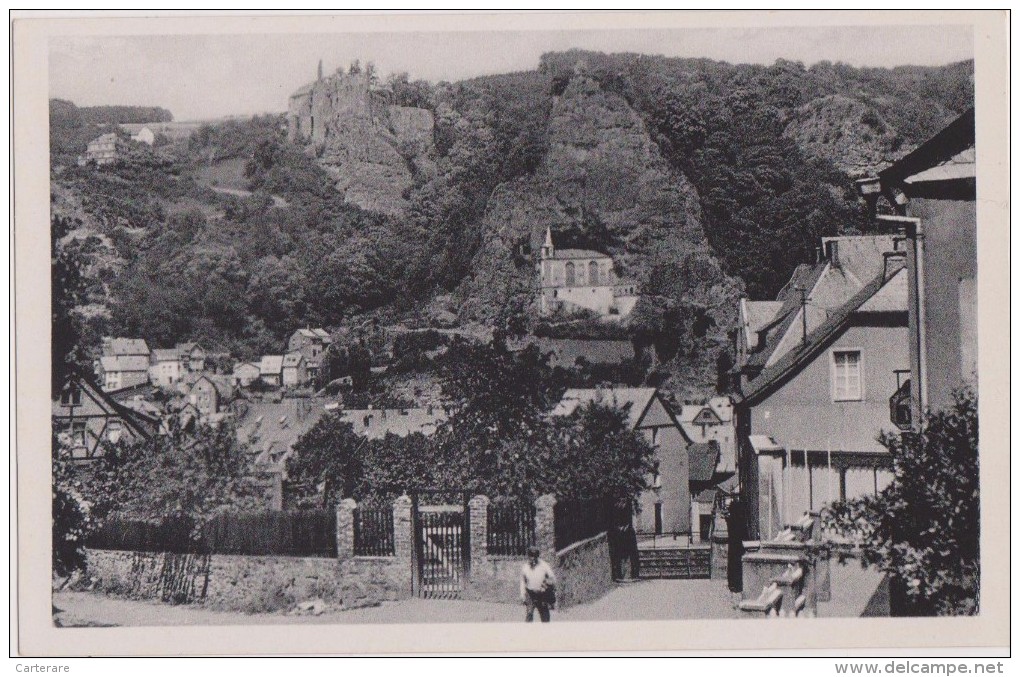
250	584
584	571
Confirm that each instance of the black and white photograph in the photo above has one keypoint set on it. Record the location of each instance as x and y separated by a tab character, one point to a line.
672	318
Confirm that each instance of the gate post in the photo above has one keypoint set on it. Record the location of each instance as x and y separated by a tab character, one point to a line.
478	508
345	529
403	543
545	527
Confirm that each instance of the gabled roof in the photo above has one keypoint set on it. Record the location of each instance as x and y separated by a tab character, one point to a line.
706	416
249	365
947	148
790	363
271	364
220	384
702	457
563	254
165	355
139	423
856	259
318	333
637	399
120	363
292	359
189	347
125	346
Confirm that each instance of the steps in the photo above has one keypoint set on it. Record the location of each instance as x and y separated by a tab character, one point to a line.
686	563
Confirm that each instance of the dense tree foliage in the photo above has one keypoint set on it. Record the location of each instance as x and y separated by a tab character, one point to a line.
499	440
192	472
239	272
924	527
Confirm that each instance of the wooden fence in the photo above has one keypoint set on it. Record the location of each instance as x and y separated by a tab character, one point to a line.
307	533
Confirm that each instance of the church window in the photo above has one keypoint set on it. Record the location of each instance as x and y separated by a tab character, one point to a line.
570	274
593	273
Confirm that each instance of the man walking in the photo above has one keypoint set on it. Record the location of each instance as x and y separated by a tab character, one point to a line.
538	586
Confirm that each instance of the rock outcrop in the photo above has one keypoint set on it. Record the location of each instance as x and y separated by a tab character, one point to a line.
603	184
849	132
367	145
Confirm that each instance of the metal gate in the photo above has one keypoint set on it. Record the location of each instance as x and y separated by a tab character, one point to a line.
441	542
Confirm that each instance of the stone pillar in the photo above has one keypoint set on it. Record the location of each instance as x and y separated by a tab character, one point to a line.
403	536
545	529
478	514
345	529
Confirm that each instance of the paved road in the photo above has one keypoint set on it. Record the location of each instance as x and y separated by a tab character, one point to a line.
646	600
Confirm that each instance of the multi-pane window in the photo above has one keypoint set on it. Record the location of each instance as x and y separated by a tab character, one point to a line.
846	375
70	396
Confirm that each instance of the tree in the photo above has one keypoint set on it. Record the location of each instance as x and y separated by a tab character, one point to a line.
192	472
924	527
66	291
71	521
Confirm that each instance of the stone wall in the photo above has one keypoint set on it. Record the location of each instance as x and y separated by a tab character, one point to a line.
584	571
246	583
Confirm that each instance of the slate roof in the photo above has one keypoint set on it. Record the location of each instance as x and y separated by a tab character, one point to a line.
271	364
777	373
950	152
301	91
317	333
125	346
292	359
703	457
165	355
272	428
115	363
563	254
377	423
638	400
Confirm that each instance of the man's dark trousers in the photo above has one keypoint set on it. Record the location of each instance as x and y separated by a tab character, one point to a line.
537	600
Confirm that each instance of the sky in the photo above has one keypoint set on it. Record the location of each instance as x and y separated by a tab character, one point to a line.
200	77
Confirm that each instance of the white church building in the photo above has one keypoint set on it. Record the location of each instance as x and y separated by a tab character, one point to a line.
573	279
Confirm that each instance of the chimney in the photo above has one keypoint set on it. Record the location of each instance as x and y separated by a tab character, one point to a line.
832	252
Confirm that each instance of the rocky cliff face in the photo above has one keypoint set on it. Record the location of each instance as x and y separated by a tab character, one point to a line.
366	144
849	132
603	184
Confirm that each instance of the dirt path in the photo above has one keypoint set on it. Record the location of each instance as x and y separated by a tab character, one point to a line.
237	192
646	600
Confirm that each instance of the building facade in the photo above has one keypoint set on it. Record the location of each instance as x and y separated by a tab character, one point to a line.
573	279
933	191
820	370
86	419
664	507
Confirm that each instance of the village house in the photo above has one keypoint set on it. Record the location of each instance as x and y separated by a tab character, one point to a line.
105	149
210	394
122	371
665	506
244	374
712	421
378	423
312	343
165	367
933	190
271	370
86	419
819	370
271	429
192	357
144	135
572	279
293	371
